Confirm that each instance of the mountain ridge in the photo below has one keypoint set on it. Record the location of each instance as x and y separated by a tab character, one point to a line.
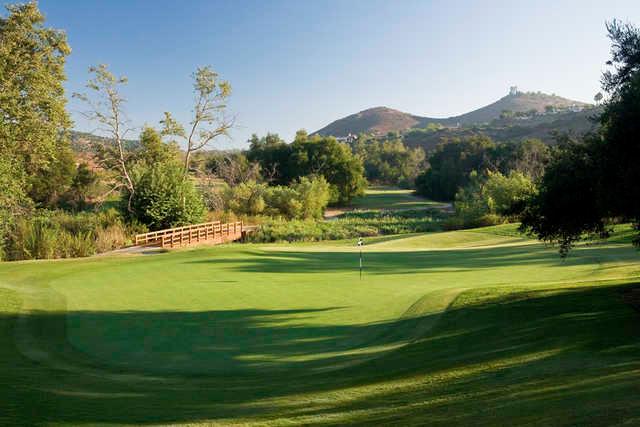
381	120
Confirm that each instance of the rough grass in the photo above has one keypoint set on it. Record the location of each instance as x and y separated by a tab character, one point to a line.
469	327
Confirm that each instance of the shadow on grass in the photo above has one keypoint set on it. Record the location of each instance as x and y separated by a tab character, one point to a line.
560	356
419	261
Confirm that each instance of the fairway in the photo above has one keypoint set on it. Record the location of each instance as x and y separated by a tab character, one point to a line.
442	327
383	197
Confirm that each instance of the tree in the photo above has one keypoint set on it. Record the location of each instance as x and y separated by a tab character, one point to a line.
246	198
153	150
326	156
232	167
450	165
593	181
106	107
33	118
51	182
14	201
389	161
209	120
81	188
273	155
598	97
165	197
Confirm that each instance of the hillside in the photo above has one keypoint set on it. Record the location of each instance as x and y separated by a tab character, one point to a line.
84	142
381	120
513	130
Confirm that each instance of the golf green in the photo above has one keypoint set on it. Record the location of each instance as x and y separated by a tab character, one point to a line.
440	325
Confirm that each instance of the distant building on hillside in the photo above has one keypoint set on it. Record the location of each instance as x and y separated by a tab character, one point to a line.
513	90
349	138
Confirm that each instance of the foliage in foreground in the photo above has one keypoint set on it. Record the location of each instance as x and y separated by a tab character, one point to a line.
58	234
594	181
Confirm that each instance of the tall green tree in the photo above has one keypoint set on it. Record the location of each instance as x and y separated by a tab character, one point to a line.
32	102
389	161
154	150
33	118
450	165
594	180
326	156
273	154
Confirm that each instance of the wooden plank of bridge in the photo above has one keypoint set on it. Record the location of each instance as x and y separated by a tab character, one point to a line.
214	232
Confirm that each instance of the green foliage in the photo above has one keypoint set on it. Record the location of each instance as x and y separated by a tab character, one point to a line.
334	160
13	198
153	150
491	199
58	234
306	198
389	161
165	197
49	185
32	103
81	189
594	181
450	165
272	154
246	198
505	194
348	226
313	195
282	163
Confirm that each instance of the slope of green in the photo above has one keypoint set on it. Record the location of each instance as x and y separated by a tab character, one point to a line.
468	327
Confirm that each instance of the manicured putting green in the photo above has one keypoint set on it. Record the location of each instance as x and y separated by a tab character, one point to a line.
441	327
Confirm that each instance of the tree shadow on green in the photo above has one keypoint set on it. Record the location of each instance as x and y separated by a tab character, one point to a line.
559	356
419	261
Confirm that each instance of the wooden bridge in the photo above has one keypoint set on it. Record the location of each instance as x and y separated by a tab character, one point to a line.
208	232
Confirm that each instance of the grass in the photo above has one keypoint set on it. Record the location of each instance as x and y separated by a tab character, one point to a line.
381	197
467	327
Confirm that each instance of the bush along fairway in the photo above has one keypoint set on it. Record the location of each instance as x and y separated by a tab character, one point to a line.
479	326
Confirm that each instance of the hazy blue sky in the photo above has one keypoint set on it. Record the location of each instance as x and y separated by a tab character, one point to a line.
302	64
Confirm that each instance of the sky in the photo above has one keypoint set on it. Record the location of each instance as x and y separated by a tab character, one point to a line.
302	64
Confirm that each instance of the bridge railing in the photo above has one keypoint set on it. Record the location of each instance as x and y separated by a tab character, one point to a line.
190	234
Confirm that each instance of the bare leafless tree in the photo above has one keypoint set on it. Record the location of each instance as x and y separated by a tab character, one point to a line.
106	108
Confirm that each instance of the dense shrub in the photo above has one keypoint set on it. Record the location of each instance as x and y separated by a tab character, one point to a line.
58	234
303	199
389	161
246	198
347	226
283	163
165	197
490	200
